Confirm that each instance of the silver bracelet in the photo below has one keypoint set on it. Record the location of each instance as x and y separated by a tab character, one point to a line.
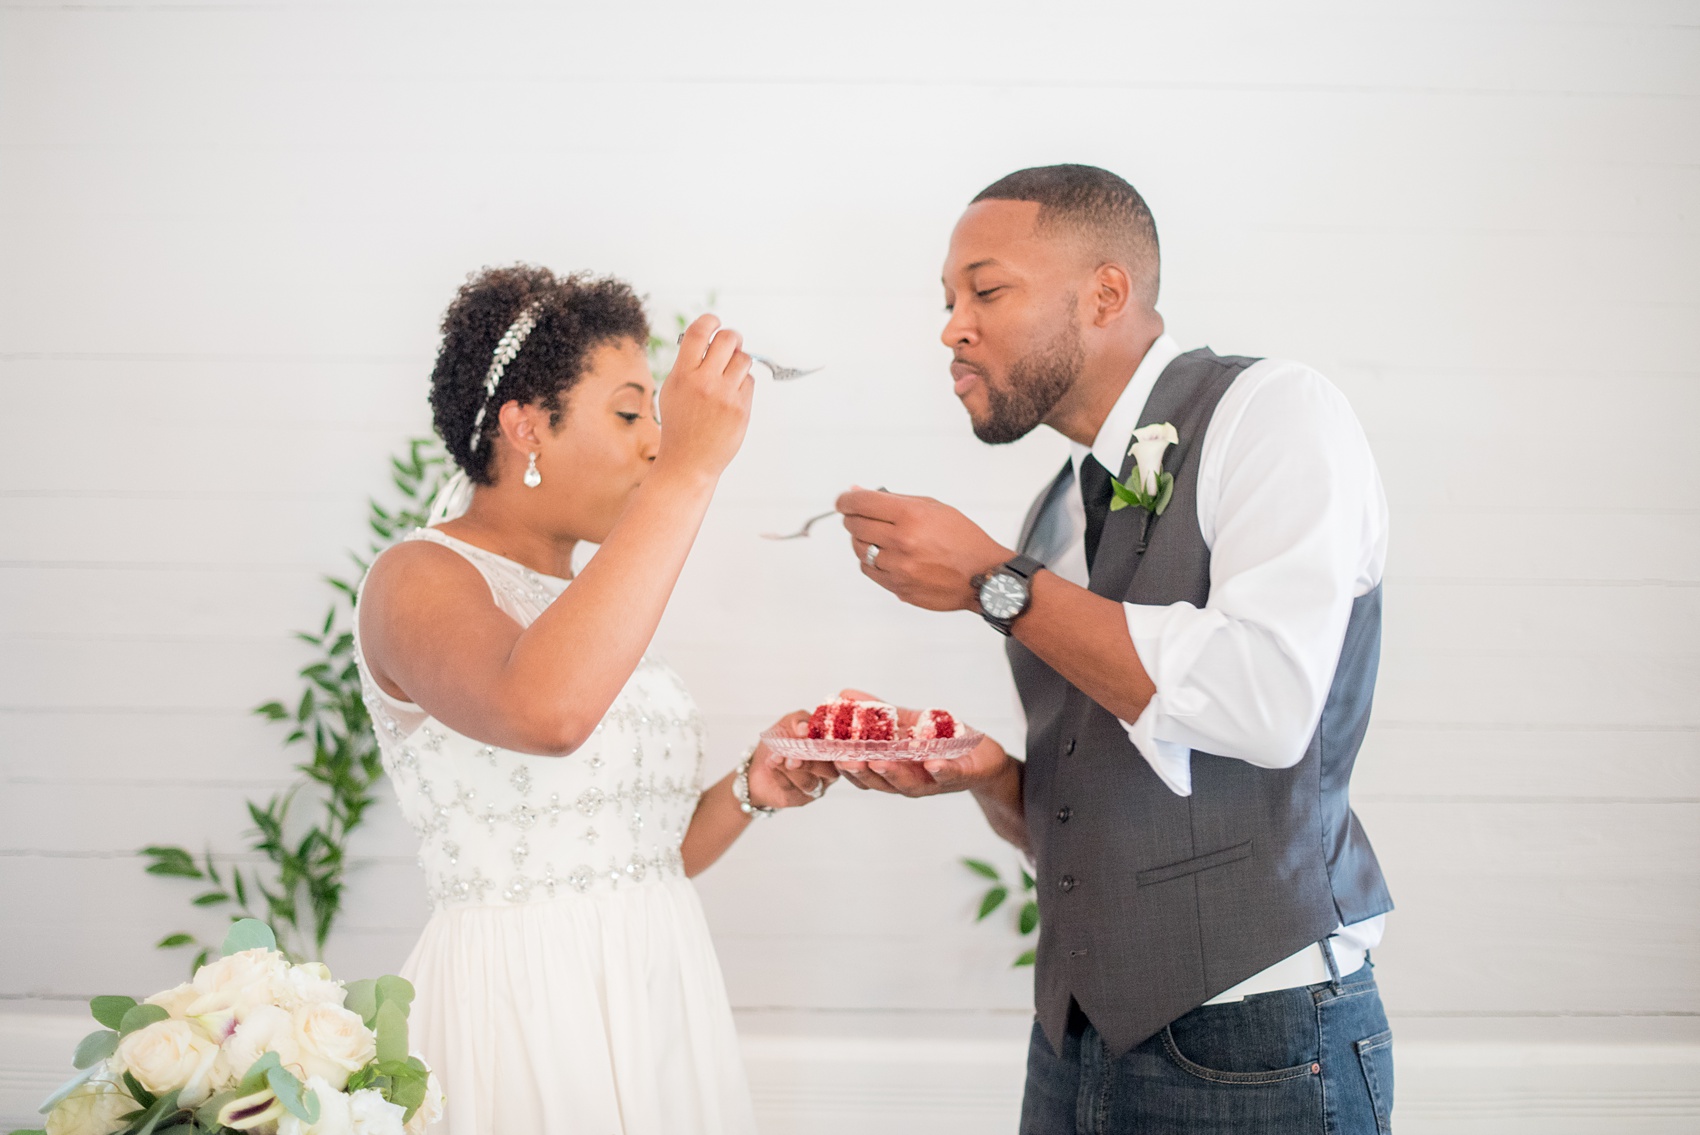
741	787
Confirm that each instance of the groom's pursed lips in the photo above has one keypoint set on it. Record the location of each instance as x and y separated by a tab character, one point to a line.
964	375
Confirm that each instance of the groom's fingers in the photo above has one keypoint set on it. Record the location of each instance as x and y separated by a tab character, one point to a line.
881	532
870	503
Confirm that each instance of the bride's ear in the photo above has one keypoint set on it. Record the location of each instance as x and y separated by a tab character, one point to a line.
523	427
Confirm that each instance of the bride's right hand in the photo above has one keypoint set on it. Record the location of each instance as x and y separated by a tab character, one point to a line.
705	402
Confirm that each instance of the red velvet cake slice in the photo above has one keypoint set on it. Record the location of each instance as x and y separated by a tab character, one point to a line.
844	720
933	724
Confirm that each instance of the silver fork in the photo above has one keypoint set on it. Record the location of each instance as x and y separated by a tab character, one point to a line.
779	373
809	523
801	532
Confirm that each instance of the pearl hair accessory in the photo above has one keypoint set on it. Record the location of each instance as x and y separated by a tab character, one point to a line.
506	348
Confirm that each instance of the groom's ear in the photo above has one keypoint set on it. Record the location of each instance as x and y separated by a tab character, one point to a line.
1112	295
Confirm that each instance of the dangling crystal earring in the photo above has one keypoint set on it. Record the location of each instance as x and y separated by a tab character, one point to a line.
532	477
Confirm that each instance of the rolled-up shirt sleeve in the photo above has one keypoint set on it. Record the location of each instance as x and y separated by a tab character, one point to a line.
1292	509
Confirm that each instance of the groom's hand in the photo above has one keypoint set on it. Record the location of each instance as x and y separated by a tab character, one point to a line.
981	767
928	551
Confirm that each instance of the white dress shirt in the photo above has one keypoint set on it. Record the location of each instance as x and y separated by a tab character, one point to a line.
1291	507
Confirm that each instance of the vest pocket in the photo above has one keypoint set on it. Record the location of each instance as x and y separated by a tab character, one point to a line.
1376	1055
1194	865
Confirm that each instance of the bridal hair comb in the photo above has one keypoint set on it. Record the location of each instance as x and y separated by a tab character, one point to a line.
506	348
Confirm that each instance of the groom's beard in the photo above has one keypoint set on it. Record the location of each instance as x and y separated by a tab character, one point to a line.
1034	386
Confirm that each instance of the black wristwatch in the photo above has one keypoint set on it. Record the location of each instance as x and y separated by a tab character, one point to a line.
1006	591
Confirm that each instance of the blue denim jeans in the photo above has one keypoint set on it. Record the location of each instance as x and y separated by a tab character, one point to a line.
1314	1059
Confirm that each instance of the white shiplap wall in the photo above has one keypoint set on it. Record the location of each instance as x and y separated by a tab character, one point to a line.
227	230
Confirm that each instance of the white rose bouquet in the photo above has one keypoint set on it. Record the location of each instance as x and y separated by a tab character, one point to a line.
251	1044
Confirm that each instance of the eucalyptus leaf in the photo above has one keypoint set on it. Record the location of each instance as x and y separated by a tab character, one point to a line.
288	1091
391	1028
141	1017
396	989
109	1010
255	1079
981	867
362	997
994	899
68	1087
94	1048
248	934
1026	959
172	941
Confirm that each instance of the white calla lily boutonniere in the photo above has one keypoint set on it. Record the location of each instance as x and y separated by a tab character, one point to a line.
1151	487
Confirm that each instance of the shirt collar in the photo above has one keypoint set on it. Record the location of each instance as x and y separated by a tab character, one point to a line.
1110	446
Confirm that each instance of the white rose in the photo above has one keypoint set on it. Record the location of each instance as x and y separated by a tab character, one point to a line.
312	984
175	1001
169	1056
431	1110
1149	442
373	1114
334	1117
93	1109
265	1029
232	987
333	1043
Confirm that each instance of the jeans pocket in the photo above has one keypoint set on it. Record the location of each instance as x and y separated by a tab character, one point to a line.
1375	1054
1249	1079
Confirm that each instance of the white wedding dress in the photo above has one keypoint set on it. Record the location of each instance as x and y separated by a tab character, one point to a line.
565	982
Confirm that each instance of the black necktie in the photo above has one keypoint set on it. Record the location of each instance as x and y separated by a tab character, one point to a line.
1095	495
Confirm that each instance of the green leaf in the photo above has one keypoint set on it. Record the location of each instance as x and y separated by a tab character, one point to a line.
257	1073
172	941
396	989
39	1131
211	898
138	1093
248	934
110	1009
141	1017
994	899
200	960
1165	490
391	1028
171	861
207	1114
272	711
1026	880
94	1048
1026	959
287	1088
981	867
162	1107
67	1088
362	998
1029	919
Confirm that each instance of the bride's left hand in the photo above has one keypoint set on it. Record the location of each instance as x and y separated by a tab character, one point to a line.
778	783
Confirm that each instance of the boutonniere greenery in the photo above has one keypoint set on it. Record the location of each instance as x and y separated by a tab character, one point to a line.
1151	487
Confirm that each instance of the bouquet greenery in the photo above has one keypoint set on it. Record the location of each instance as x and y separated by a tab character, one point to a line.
254	1044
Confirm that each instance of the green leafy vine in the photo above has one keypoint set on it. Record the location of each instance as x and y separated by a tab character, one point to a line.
1027	916
296	885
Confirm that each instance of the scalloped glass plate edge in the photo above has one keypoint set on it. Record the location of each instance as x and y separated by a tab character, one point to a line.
807	749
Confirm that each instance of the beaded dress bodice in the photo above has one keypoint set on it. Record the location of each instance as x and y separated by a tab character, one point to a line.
498	827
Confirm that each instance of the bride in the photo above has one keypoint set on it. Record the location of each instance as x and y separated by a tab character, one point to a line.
551	768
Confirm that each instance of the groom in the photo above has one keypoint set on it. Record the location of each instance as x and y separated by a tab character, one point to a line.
1193	614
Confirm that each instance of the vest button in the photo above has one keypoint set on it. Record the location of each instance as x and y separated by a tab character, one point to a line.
1064	813
1066	883
1068	749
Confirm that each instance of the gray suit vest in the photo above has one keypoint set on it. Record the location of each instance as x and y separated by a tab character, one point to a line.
1153	903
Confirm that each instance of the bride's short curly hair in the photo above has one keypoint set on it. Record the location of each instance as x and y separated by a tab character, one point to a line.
577	314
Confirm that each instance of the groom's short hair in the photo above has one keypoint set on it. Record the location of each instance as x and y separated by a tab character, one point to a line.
1092	204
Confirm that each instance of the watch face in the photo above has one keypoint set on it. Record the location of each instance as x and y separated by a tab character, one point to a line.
1003	596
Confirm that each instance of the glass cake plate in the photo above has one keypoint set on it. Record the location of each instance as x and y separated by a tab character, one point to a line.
808	749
